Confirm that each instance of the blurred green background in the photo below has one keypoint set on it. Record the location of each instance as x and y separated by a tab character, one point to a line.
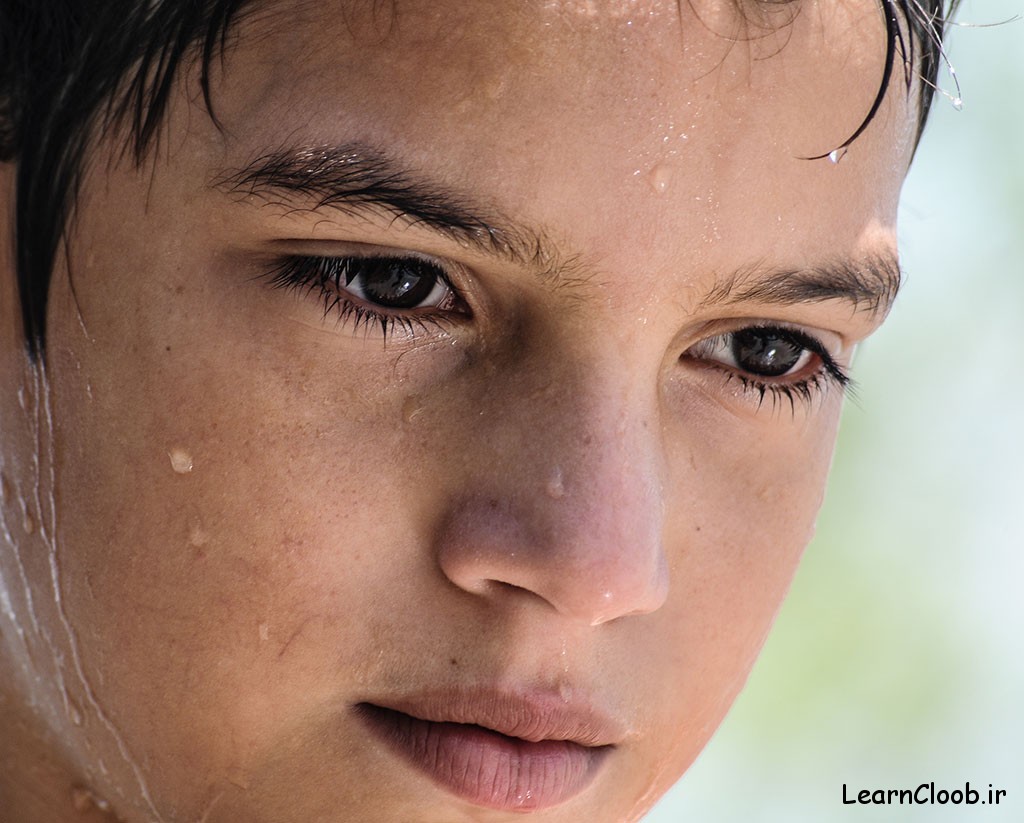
898	657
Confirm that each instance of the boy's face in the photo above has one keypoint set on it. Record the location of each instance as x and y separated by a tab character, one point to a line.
544	504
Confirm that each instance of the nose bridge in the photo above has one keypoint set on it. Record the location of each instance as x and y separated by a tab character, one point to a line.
567	501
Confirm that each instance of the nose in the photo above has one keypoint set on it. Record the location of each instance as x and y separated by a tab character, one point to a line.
564	501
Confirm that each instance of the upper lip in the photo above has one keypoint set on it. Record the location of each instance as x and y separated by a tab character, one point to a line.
528	715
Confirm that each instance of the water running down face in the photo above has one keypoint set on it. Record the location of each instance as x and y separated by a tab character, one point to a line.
483	368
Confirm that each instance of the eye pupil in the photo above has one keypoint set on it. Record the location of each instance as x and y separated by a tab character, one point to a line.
397	283
765	352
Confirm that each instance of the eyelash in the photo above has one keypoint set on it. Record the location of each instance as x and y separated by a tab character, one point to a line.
331	275
305	274
828	374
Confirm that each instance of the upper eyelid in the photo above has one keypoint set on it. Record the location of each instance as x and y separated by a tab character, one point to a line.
832	343
459	276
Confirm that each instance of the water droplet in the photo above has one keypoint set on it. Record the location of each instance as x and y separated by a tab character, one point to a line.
837	154
958	103
22	398
84	800
74	712
659	177
181	460
411	408
555	486
264	631
28	522
197	535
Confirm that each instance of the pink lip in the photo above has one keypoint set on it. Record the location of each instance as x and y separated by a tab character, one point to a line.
494	749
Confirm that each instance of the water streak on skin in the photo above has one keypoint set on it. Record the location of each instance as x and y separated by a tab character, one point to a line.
5	596
50	535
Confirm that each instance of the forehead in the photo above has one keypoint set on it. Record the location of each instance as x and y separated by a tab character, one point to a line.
694	118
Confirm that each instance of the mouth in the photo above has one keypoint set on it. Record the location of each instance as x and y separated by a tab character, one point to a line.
494	750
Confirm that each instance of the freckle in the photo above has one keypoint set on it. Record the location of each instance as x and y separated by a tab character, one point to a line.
454	662
181	460
167	348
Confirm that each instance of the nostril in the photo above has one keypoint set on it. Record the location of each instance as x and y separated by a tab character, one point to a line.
563	550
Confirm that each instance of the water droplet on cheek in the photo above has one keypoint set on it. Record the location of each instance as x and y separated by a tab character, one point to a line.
555	486
264	631
181	460
84	800
660	177
411	408
837	154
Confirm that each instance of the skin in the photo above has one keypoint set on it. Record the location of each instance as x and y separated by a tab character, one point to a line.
240	518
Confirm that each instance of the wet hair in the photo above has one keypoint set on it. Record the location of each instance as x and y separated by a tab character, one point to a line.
72	71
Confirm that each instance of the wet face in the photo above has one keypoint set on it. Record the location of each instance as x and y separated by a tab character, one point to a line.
483	368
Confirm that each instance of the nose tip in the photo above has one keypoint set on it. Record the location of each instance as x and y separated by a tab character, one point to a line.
576	553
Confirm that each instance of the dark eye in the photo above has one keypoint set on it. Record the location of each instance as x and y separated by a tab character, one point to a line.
766	353
761	352
394	282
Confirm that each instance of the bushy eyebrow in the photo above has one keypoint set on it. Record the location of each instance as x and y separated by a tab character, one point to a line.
355	177
870	284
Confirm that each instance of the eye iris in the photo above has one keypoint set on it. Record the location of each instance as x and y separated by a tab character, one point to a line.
764	352
398	284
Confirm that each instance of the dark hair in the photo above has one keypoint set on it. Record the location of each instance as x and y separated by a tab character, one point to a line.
72	69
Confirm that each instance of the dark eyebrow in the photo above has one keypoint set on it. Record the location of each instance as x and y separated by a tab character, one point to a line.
353	175
870	284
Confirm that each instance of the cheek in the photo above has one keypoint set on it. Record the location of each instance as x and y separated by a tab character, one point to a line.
229	554
744	502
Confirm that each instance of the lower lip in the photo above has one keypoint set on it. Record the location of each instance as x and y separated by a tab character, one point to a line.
484	767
